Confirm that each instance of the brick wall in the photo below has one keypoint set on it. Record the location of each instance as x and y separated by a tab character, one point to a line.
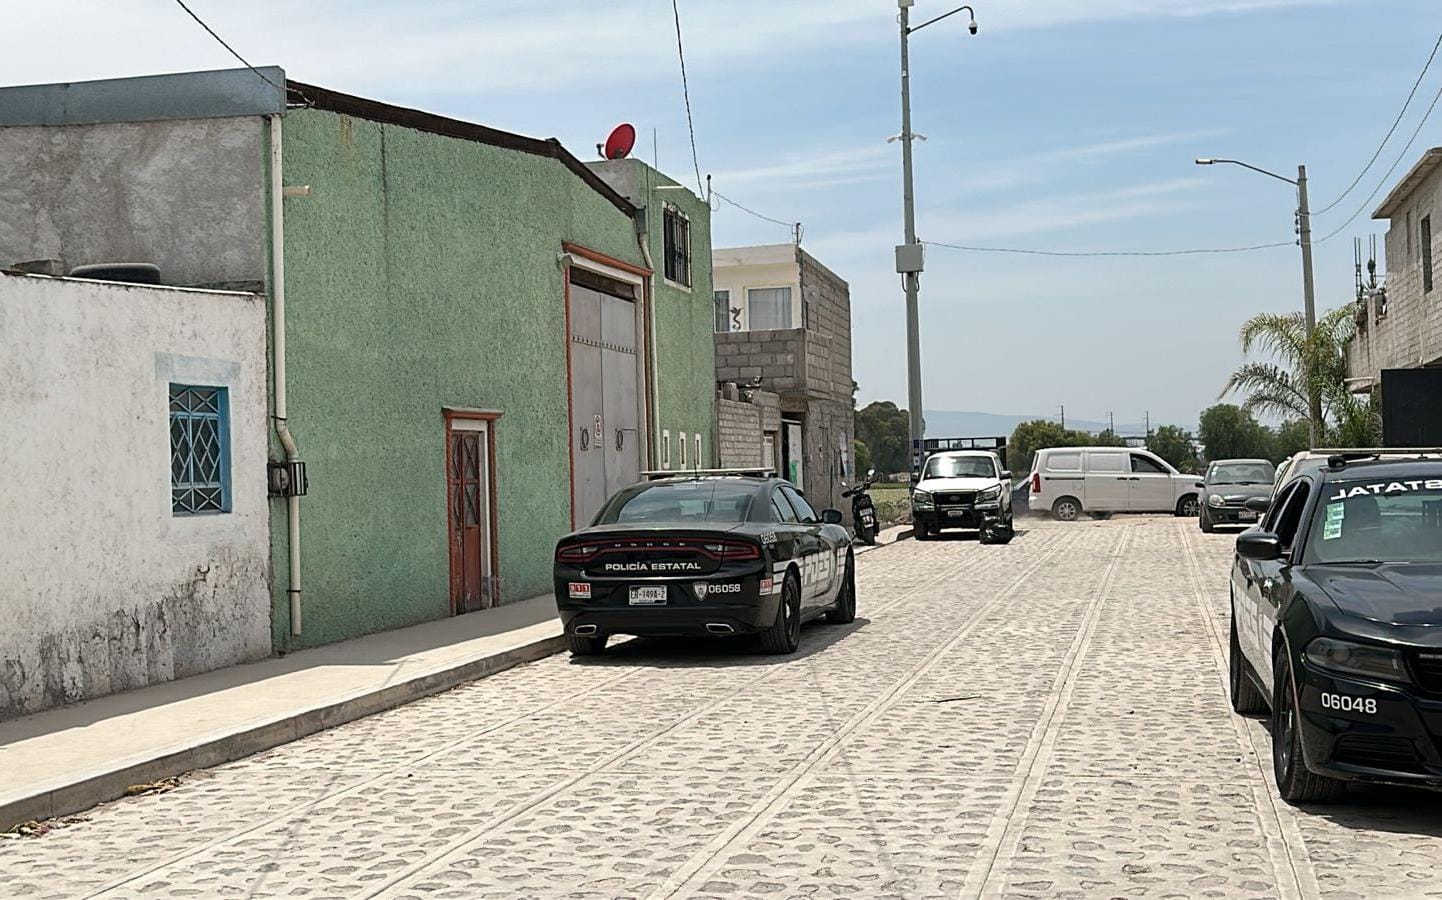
776	357
741	428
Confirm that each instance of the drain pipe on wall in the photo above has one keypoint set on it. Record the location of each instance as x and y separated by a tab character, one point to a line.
282	425
643	240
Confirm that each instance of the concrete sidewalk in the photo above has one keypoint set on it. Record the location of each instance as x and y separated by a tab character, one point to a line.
66	760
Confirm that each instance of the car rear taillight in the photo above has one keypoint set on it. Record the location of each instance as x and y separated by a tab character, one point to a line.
733	550
1036	482
576	554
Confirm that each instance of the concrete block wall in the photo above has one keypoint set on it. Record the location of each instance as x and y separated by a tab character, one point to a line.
776	357
1411	333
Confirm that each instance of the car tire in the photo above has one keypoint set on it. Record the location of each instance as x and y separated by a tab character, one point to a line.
1246	698
784	634
1295	782
585	645
844	610
921	532
1204	522
1189	507
1066	509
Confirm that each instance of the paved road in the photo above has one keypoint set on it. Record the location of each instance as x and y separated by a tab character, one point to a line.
1046	719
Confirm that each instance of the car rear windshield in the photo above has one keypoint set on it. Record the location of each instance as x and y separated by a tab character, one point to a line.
1242	473
709	500
959	467
1378	520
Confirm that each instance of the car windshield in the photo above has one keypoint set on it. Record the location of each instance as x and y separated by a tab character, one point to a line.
1241	473
1377	520
959	467
707	500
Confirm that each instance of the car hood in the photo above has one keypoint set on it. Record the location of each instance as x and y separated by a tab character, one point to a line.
956	484
1392	593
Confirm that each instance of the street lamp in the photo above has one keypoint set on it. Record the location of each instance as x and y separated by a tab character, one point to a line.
909	256
1304	228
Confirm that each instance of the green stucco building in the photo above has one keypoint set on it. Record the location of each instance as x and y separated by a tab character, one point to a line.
475	336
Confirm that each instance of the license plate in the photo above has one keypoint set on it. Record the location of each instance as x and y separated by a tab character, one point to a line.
1247	517
956	513
648	596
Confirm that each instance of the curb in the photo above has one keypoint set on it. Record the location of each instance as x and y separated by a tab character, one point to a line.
112	785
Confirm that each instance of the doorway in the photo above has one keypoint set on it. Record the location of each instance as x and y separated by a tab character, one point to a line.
471	505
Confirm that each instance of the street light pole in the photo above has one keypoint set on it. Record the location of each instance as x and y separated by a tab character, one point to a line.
1304	230
909	256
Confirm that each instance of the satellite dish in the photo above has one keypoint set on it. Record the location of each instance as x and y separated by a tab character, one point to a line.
620	143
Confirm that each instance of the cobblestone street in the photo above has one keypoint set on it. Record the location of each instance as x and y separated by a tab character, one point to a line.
1045	719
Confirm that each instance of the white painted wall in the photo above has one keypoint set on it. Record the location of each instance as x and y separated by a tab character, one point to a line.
102	589
740	269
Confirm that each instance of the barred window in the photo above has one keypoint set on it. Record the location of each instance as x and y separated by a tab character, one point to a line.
199	450
678	247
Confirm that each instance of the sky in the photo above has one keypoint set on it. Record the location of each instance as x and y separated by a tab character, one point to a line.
1060	126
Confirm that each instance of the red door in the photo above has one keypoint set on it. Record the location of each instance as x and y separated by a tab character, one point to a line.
469	502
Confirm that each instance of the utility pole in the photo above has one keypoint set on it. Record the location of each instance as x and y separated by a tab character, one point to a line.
1148	415
1304	226
910	256
1063	417
1112	424
1304	232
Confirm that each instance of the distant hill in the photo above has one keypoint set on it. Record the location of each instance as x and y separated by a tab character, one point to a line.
948	423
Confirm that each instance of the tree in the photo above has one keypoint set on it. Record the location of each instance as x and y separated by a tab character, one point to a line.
862	454
1287	439
1305	366
1175	446
1108	438
1230	432
886	432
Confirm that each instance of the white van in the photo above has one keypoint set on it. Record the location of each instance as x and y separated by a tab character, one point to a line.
1070	481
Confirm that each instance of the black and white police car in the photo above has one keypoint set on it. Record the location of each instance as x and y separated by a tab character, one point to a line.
1337	623
705	553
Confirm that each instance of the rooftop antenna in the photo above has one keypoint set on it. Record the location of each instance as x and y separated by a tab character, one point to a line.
1372	263
1357	265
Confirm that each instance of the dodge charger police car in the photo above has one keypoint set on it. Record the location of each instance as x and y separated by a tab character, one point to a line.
1336	608
707	553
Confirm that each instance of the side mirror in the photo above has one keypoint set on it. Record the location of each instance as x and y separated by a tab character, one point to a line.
1201	484
1258	504
831	516
1259	545
1006	475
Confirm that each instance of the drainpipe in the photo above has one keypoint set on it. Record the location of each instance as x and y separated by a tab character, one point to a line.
644	242
277	299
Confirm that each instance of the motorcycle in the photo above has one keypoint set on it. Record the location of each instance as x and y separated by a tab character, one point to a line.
863	510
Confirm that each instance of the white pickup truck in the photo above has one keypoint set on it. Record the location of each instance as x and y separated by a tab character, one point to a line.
963	489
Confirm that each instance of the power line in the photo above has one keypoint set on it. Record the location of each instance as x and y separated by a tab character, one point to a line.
685	92
720	196
211	31
1390	131
1386	178
1111	253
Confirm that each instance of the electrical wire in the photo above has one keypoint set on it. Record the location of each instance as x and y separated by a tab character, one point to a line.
720	196
211	31
1390	131
1388	177
685	92
1098	253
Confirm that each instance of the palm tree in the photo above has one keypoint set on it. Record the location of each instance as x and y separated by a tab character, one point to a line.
1304	367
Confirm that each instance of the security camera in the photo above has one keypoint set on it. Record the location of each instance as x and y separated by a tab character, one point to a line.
972	26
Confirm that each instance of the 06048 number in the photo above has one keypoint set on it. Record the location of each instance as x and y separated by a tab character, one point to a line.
1366	705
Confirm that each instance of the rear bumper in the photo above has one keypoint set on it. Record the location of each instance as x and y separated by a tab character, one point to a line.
744	605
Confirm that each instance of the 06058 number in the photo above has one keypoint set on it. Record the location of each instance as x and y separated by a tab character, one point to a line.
1366	705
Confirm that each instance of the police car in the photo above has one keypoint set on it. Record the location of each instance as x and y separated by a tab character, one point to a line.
705	553
1336	607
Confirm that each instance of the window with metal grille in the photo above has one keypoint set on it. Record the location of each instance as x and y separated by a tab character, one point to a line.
678	247
199	450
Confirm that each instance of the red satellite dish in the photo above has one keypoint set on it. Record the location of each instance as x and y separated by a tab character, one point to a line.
620	143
